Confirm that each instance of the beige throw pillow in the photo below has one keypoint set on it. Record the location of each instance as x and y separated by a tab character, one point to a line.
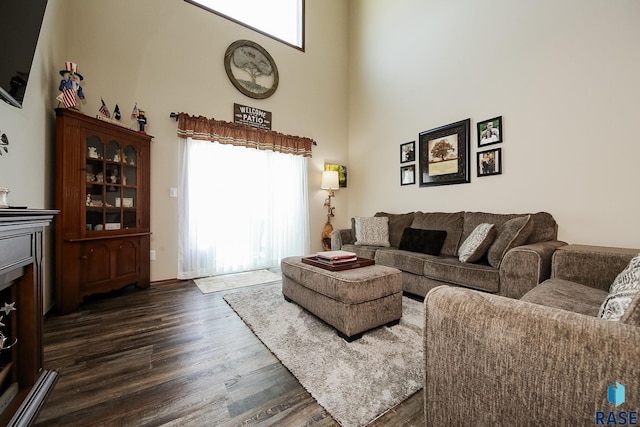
512	233
373	231
476	245
623	290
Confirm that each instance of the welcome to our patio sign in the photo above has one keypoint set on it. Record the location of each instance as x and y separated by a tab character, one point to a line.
251	116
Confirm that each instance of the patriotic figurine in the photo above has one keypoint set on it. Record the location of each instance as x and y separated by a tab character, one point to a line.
70	86
142	121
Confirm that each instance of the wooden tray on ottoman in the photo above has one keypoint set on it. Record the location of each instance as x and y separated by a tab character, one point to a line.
361	262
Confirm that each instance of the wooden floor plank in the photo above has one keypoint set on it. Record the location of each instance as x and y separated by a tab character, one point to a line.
171	356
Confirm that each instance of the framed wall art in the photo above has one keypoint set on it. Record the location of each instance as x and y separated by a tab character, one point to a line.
408	152
251	69
490	162
445	155
407	175
490	132
342	173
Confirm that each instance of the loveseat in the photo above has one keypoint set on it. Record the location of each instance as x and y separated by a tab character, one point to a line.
547	359
517	259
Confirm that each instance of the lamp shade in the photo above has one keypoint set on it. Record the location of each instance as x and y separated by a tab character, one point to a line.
330	180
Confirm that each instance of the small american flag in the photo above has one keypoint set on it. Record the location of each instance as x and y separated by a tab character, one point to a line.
104	110
135	112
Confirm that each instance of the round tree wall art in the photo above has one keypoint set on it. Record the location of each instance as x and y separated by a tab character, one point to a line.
251	69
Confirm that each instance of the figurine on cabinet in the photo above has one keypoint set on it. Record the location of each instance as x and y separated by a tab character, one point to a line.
70	86
93	152
142	121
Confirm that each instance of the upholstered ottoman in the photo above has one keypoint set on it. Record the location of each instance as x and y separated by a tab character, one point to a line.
352	301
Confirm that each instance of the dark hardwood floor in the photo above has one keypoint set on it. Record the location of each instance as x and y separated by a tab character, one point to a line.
171	356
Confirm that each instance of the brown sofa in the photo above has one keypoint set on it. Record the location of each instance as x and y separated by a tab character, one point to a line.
546	359
518	270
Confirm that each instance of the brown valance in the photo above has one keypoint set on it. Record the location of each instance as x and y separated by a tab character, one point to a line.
223	132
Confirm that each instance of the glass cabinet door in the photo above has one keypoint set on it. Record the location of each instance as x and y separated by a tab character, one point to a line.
111	185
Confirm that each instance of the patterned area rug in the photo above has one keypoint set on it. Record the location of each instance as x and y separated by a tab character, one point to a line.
355	382
237	280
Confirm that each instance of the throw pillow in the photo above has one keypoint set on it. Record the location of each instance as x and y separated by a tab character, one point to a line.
510	234
478	242
622	291
372	231
428	242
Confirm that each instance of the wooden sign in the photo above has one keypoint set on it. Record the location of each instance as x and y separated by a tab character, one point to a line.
251	116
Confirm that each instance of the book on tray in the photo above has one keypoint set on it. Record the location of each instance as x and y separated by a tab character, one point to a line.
336	257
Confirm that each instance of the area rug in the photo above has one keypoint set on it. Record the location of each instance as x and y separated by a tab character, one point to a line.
237	280
355	382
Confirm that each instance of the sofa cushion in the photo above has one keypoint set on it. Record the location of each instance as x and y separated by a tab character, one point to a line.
409	262
363	251
510	234
623	290
372	231
545	227
566	295
425	241
451	270
397	224
449	222
476	245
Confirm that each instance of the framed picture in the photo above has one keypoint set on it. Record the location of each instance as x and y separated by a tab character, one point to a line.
342	173
445	155
408	175
490	162
408	152
251	69
490	132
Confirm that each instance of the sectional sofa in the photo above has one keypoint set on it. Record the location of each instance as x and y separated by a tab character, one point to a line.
516	258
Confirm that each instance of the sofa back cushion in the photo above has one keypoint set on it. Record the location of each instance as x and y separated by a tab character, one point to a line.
544	228
397	224
512	233
449	222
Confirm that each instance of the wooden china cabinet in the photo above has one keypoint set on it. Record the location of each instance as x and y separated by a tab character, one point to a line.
102	233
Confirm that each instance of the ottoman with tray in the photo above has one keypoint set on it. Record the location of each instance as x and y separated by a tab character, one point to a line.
352	300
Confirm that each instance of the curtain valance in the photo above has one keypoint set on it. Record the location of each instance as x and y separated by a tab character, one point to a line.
223	132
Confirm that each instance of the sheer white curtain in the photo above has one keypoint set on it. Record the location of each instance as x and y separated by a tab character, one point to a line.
240	208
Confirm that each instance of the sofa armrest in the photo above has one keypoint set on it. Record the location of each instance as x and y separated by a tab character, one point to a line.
523	267
489	359
594	266
341	237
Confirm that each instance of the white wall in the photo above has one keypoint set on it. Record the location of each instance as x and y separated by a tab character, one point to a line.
563	75
28	168
167	55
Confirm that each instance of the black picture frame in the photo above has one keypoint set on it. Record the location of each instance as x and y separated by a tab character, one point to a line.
408	175
489	162
493	136
445	155
408	152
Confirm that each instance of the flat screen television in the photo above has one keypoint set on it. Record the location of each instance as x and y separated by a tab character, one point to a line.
19	30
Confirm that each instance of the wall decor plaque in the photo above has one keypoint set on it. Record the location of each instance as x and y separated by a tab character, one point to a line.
251	69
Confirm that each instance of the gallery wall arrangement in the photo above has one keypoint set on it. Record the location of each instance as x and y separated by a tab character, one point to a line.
445	154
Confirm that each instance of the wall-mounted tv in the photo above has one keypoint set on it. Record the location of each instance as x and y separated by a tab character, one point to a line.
20	22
